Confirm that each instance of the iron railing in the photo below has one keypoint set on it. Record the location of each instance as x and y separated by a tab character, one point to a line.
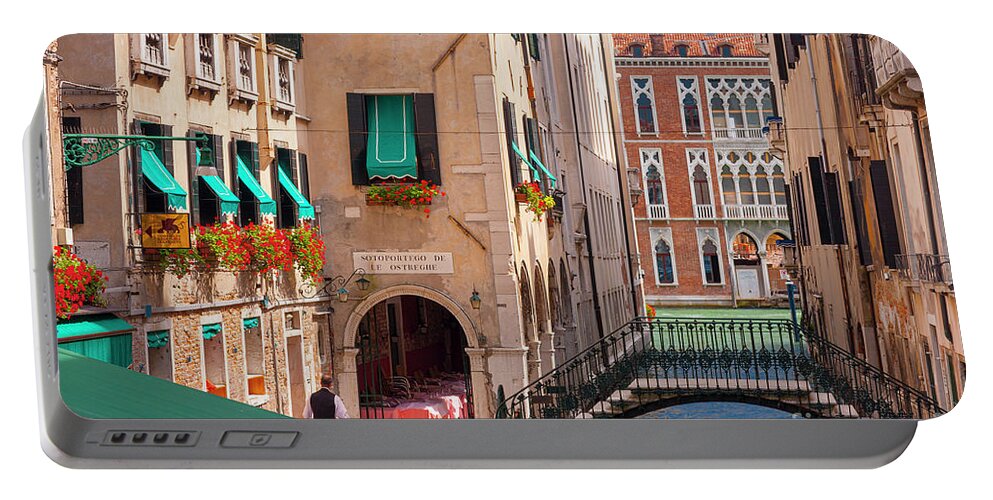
650	364
925	267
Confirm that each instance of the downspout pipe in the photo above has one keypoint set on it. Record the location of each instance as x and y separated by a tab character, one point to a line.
582	180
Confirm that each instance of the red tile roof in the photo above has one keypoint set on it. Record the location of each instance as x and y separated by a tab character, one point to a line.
698	44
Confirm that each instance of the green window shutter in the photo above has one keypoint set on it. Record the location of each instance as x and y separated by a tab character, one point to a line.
194	182
304	176
217	145
533	47
167	147
357	140
510	129
426	127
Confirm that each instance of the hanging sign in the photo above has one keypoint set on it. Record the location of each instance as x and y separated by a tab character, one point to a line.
165	230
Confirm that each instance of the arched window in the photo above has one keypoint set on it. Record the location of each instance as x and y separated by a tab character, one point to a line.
726	51
774	252
644	105
727	185
779	185
637	50
745	187
768	109
752	117
682	50
691	114
663	262
701	189
762	191
717	117
653	181
735	118
711	263
745	250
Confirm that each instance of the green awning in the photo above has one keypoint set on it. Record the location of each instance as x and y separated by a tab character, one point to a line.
251	323
229	202
115	349
156	173
541	166
89	326
304	209
93	389
267	205
158	339
211	331
524	158
391	151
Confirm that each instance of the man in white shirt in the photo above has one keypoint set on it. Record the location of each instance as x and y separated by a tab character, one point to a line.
324	403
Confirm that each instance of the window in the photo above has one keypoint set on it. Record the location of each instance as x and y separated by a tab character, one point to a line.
663	263
739	106
701	186
745	250
689	96
282	78
728	186
153	48
393	137
158	192
711	263
533	48
889	229
254	201
655	196
644	101
206	57
150	55
214	372
242	83
637	50
291	205
254	356
74	176
699	174
159	354
726	51
682	50
211	201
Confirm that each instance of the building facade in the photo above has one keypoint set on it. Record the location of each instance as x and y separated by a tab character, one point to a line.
871	256
713	202
468	285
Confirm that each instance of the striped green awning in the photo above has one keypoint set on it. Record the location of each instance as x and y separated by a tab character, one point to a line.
304	209
541	166
156	173
267	205
211	331
229	202
92	389
391	151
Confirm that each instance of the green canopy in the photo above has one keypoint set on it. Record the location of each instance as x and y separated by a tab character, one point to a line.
93	389
524	158
229	202
251	323
156	173
266	204
89	326
391	152
158	339
304	208
211	331
541	166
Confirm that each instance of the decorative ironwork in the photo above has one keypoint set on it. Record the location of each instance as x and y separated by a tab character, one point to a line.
648	362
925	267
83	150
333	287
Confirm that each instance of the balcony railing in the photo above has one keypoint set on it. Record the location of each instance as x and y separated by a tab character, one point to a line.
658	212
925	267
703	211
756	212
739	133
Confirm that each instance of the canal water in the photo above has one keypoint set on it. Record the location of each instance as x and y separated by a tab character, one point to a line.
717	410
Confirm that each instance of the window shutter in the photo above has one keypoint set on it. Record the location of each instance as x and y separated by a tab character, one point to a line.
74	176
304	177
798	40
533	47
294	176
835	214
820	200
137	177
889	233
510	128
781	69
426	128
357	138
194	181
801	209
217	144
255	162
167	159
861	230
233	149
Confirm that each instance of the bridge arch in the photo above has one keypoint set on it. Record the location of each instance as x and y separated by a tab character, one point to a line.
669	401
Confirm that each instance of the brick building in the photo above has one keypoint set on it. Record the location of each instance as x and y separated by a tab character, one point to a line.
713	202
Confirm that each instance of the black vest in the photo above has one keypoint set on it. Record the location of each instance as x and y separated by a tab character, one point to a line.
322	404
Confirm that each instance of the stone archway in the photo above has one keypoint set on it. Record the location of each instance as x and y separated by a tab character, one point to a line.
347	376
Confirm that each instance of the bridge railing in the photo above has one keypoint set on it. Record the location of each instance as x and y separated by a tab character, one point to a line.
650	361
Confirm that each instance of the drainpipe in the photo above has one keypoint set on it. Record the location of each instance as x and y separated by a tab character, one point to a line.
839	257
582	180
264	105
621	186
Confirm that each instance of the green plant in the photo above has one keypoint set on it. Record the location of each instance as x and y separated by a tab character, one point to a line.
405	195
537	202
226	244
77	283
308	252
269	248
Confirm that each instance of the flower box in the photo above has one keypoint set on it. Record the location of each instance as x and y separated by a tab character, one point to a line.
520	197
403	195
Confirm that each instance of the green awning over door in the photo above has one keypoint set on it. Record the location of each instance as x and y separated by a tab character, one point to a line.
229	202
304	209
391	151
267	205
156	173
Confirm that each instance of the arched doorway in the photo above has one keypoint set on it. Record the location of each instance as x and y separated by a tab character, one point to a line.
747	266
414	356
528	324
543	322
774	255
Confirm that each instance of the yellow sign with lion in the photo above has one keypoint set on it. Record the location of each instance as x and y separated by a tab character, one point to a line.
165	230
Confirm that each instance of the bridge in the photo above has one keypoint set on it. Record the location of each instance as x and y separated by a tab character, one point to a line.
650	364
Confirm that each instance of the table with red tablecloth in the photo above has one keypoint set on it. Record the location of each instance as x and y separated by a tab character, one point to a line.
445	398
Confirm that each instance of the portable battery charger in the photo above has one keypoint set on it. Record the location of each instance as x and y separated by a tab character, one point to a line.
486	250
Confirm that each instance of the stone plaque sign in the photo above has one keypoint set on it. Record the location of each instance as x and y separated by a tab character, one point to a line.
404	262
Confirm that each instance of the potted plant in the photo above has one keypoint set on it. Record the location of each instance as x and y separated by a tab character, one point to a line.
404	195
537	202
77	283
